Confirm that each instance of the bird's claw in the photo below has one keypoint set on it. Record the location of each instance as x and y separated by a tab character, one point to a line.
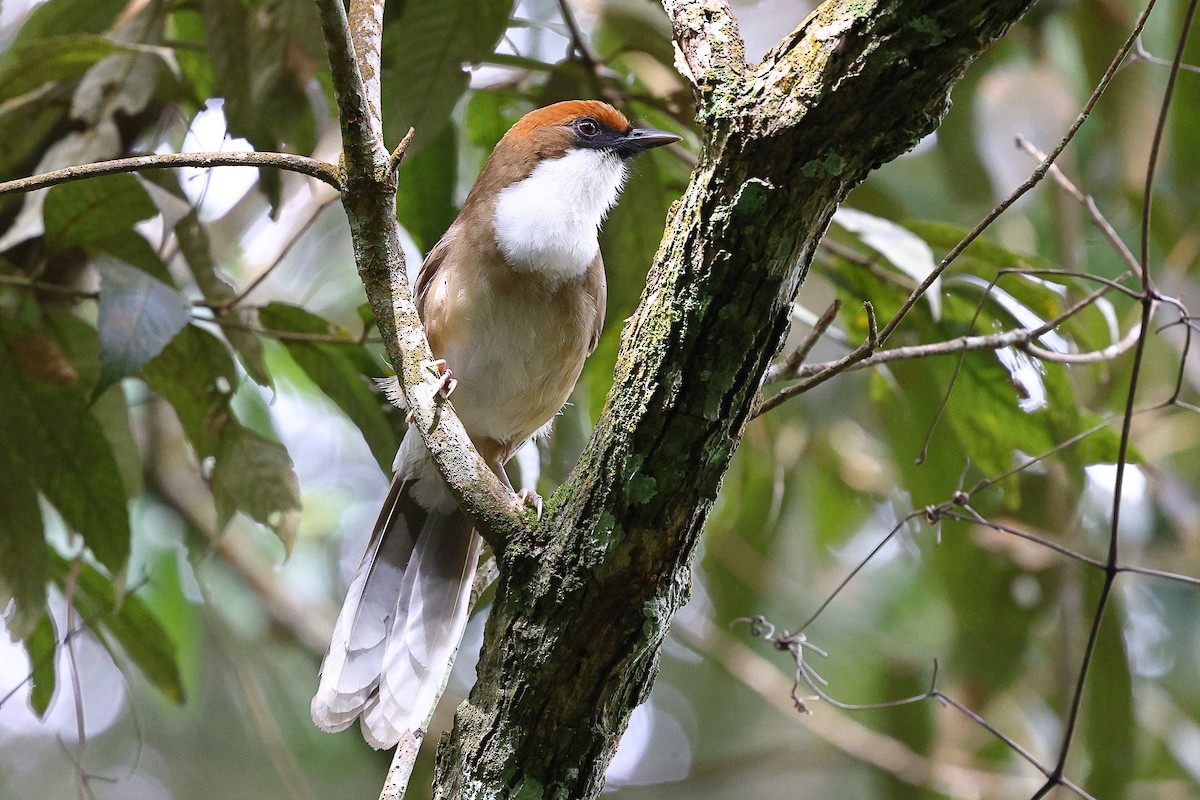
530	496
446	382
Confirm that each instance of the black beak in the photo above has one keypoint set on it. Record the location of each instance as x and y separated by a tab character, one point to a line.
639	139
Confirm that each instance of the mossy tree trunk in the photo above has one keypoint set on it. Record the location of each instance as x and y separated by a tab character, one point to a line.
585	600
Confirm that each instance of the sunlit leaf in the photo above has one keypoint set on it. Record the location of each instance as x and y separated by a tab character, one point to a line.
41	645
62	449
905	250
139	315
53	59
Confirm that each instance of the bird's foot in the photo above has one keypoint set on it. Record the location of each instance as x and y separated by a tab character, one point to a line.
446	382
531	497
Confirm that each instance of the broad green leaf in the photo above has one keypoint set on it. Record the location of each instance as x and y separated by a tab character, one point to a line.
24	562
23	130
51	435
254	474
424	51
127	245
41	645
125	618
86	213
331	369
55	58
197	252
138	316
196	375
261	61
425	190
903	249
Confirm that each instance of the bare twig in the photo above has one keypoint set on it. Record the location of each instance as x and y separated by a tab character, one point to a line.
285	161
860	353
1033	180
1098	219
788	368
397	155
1112	562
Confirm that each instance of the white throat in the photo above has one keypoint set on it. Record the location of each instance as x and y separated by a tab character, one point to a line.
548	222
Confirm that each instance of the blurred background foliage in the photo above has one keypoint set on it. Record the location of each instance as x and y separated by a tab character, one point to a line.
193	450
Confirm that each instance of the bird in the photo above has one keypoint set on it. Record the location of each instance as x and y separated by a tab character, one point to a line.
513	299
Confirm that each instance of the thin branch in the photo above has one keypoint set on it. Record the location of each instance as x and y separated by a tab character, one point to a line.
1112	562
860	353
578	43
398	154
1088	202
1033	180
293	336
1142	54
789	367
311	167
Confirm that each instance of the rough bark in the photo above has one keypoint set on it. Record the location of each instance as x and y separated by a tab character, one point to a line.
585	599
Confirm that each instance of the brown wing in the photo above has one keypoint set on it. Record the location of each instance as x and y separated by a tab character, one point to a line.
597	287
429	269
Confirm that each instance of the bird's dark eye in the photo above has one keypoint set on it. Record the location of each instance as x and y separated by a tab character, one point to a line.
588	127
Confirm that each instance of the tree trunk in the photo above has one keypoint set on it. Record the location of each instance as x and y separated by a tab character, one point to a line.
585	599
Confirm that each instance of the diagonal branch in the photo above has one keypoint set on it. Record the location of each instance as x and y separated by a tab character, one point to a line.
369	197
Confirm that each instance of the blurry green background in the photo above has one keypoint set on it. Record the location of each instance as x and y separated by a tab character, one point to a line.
815	485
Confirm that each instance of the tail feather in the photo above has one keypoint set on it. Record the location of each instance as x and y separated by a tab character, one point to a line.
431	616
404	615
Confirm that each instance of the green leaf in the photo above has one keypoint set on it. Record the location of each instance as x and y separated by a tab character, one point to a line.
345	373
50	433
196	375
24	562
902	248
262	60
197	252
51	59
425	190
86	213
125	618
334	371
41	645
69	16
424	51
254	474
138	316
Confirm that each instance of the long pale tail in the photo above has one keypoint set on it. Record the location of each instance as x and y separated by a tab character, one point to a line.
405	612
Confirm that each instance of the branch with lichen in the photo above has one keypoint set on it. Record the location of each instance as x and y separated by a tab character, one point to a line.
581	612
369	195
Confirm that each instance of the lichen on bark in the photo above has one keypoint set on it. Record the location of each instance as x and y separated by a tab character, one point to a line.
584	600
